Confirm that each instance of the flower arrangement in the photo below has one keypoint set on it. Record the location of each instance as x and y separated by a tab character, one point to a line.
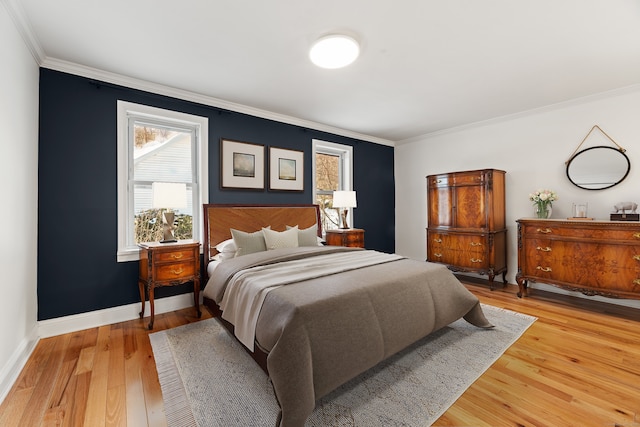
543	200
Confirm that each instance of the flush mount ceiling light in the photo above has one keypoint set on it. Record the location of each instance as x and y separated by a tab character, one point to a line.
334	51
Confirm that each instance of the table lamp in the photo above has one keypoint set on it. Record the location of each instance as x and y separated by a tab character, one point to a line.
343	201
167	196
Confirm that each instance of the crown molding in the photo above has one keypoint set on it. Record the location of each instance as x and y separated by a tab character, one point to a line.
508	117
17	14
121	80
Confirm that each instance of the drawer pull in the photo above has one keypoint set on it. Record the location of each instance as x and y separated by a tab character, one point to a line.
636	235
177	256
475	260
437	240
546	249
546	230
636	257
545	269
636	282
437	255
177	272
475	244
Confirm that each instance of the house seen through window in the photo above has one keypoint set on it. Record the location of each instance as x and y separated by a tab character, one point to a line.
160	154
163	147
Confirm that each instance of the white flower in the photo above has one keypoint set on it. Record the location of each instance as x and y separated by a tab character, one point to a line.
543	196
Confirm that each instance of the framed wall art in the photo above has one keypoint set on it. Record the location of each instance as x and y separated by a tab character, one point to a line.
286	169
241	165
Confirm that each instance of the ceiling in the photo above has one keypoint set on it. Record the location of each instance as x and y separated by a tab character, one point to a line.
425	65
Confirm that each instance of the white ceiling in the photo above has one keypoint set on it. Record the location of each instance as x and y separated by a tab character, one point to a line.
425	65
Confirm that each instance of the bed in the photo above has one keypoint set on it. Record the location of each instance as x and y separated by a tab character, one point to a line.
315	316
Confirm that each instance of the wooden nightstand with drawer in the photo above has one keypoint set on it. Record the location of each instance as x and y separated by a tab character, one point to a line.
168	264
350	237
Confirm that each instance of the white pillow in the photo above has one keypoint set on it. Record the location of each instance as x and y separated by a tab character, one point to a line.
225	255
281	239
248	243
227	246
308	236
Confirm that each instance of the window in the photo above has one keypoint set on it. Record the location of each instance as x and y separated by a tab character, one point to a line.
156	145
332	170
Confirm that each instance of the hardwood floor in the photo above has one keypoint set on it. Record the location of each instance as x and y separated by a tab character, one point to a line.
577	365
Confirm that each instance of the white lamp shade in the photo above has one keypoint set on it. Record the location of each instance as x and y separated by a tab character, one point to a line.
169	195
344	199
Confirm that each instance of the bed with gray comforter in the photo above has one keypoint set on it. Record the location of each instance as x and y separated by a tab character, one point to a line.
321	329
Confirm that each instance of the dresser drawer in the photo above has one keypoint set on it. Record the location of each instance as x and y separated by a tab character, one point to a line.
552	229
172	256
458	242
470	178
461	251
176	270
440	181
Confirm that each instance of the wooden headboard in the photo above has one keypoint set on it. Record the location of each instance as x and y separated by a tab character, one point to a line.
220	218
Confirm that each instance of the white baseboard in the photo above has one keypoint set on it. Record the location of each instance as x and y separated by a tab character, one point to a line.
92	319
77	322
19	358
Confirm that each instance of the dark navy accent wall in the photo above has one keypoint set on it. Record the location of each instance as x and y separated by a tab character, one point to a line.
77	179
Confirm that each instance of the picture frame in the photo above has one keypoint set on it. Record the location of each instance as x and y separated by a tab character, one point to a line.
242	165
286	169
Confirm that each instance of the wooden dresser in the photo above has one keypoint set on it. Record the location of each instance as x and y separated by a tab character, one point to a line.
466	221
350	237
592	257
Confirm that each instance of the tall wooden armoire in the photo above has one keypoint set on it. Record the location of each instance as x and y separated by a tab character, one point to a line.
466	228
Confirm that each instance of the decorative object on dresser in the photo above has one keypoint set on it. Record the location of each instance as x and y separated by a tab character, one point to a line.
580	212
598	167
543	202
350	237
343	201
168	264
167	196
621	212
592	257
466	221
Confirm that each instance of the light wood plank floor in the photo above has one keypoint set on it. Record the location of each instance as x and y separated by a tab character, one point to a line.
578	365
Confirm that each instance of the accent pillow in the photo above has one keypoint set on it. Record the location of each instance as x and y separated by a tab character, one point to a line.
308	236
248	243
281	239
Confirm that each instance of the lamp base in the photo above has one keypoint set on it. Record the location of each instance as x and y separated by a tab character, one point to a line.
167	228
343	215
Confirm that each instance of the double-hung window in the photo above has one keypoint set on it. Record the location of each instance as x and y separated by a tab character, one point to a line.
332	171
156	145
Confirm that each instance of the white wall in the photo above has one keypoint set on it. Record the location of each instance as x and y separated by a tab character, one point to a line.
19	189
532	148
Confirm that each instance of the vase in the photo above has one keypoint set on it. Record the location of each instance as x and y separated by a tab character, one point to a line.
542	211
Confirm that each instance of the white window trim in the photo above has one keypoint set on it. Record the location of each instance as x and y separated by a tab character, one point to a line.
346	154
125	253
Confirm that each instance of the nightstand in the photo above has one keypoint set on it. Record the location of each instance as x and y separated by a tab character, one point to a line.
168	264
350	237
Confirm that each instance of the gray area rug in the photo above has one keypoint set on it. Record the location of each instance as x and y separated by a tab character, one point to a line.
208	380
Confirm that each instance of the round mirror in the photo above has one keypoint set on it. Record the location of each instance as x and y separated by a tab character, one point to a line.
597	168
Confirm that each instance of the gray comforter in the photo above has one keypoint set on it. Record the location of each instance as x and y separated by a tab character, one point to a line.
322	332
